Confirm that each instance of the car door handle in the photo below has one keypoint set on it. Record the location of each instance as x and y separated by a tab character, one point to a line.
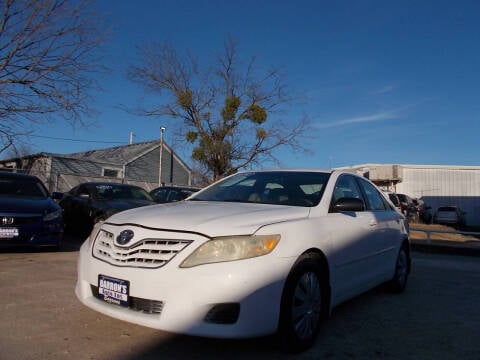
373	223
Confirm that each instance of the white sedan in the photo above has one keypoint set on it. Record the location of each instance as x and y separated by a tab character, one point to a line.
253	254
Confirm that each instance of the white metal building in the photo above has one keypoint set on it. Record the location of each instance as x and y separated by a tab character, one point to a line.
436	185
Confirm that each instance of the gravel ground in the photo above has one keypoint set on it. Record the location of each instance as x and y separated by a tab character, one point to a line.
436	318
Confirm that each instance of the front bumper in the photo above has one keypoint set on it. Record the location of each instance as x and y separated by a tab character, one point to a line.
36	234
187	295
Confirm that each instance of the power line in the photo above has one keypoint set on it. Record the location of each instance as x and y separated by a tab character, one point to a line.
77	140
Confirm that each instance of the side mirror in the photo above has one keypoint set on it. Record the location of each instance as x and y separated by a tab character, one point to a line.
57	195
349	204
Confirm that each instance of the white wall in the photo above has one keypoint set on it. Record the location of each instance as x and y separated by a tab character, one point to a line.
438	186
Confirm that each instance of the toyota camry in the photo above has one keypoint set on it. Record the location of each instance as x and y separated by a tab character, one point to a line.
256	253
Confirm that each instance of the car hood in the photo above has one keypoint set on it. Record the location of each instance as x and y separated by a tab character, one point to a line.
21	205
210	218
117	205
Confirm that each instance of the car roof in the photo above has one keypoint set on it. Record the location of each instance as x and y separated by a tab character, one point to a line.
448	208
97	183
17	175
294	170
105	183
175	187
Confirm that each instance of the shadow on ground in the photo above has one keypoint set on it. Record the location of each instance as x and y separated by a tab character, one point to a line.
70	243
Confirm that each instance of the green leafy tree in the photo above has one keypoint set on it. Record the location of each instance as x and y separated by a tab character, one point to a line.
229	111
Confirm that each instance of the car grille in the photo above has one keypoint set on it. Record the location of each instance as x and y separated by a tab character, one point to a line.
146	306
146	253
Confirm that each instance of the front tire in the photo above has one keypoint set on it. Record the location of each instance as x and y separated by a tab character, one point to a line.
302	305
402	269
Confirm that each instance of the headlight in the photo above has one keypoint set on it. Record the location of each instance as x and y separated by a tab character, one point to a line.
231	248
95	230
53	215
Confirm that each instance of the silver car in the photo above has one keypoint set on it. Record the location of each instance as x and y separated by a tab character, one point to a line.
451	215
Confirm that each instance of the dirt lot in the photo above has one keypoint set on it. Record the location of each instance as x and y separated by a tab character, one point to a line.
443	237
436	318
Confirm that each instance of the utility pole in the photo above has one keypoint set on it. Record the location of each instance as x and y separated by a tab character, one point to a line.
162	131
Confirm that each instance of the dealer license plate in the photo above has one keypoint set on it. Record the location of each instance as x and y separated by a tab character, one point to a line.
8	233
113	291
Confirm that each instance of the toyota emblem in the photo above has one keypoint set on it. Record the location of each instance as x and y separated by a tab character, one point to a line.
124	237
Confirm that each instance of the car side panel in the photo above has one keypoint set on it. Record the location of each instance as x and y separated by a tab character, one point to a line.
354	252
387	241
336	236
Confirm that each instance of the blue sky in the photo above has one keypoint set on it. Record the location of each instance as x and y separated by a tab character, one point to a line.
384	81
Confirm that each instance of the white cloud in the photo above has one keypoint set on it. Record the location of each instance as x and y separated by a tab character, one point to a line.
360	119
385	90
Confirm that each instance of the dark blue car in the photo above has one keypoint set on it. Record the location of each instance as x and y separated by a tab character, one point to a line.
90	202
28	215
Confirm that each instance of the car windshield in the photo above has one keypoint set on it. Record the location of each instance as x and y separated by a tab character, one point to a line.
22	187
170	194
116	192
276	187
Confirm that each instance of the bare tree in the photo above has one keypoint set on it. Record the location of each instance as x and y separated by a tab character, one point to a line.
18	149
46	63
230	112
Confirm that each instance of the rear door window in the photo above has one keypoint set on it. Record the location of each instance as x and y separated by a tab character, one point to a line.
375	200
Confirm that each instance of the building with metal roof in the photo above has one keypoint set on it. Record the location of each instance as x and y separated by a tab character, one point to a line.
435	185
137	164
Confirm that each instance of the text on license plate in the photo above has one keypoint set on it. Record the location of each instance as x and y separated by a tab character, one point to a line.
112	290
8	232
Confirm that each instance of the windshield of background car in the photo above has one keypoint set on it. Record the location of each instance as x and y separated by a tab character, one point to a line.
22	187
116	192
276	187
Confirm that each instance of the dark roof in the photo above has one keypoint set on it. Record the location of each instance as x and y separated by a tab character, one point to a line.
175	187
102	183
115	155
119	155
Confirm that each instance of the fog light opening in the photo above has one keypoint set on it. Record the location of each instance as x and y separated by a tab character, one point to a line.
223	314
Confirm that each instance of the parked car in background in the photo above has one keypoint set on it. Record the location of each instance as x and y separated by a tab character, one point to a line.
426	214
28	215
408	207
165	194
255	253
450	215
394	199
424	211
90	202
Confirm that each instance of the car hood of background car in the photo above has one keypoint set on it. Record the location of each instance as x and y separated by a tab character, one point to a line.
122	204
210	218
27	205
